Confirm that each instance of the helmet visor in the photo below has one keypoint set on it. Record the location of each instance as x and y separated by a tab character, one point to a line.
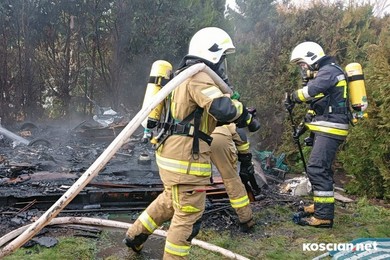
221	69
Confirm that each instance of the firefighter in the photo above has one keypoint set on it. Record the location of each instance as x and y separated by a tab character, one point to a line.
326	94
229	145
184	156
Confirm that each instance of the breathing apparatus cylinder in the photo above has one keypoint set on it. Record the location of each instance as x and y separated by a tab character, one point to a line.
357	89
159	75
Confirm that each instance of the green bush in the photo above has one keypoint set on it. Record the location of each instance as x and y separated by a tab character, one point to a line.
367	152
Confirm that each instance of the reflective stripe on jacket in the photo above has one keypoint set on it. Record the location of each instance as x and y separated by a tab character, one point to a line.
327	94
175	155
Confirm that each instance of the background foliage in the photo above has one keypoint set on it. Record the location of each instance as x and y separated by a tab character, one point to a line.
58	55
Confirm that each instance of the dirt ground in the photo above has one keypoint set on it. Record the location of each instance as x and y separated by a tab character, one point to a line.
221	218
72	152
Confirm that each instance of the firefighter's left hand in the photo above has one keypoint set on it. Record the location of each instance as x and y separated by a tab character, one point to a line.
252	111
246	172
294	97
248	120
254	124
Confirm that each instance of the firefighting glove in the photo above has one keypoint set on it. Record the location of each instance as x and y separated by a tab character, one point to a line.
247	171
294	97
309	116
241	121
309	141
288	103
247	119
254	124
301	129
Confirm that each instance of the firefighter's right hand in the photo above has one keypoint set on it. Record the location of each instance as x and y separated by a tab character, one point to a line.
294	97
288	103
254	125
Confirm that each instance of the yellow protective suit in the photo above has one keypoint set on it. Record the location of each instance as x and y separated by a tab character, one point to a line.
183	173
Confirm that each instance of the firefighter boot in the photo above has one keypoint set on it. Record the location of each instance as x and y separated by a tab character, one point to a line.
308	209
136	243
316	222
298	216
246	227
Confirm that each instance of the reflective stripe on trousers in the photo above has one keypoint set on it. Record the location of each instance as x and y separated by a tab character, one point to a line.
147	222
176	249
240	202
188	203
323	197
323	204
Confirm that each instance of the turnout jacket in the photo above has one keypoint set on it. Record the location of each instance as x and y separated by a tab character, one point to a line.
326	94
175	155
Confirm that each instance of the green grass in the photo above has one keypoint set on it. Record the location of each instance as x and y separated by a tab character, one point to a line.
67	248
280	238
275	237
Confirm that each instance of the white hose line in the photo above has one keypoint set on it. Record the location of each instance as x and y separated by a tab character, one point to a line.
108	153
118	224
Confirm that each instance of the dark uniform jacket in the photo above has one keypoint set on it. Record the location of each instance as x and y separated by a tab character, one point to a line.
327	96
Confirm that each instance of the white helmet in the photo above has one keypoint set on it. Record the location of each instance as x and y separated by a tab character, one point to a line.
307	52
210	44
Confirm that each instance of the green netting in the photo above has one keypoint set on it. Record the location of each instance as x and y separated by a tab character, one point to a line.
270	162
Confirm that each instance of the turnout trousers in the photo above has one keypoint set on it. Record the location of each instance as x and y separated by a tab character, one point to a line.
224	157
184	205
320	173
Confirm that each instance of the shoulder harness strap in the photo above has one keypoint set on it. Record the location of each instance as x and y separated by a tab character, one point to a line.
346	109
185	128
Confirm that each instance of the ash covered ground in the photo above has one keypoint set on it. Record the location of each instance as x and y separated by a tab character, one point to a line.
34	176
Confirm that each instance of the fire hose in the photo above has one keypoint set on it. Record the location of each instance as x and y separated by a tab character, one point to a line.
121	225
110	151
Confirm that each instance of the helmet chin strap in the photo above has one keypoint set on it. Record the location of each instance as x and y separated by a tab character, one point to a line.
315	66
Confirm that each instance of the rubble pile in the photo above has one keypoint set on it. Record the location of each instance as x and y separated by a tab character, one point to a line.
34	176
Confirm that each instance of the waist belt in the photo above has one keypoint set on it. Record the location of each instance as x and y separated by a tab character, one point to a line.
180	129
189	130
